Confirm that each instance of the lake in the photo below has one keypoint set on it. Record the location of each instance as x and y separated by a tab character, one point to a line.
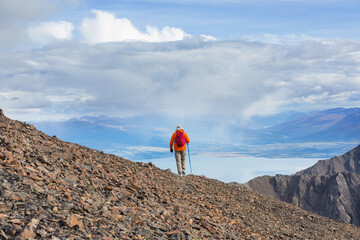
236	169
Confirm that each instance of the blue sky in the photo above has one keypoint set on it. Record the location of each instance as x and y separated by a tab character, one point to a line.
229	59
232	19
226	19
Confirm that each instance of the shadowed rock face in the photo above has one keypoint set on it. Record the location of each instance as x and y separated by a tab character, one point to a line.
330	188
2	116
51	189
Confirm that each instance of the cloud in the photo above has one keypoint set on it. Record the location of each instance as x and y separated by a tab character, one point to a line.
18	10
121	128
14	17
182	79
265	106
242	1
23	100
20	18
50	31
207	38
147	149
105	27
279	39
162	131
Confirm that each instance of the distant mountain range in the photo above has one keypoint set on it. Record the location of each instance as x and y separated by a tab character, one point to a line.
114	135
315	134
338	124
329	188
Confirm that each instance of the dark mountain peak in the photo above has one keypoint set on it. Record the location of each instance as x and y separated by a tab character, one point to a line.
329	188
51	189
348	162
2	116
353	154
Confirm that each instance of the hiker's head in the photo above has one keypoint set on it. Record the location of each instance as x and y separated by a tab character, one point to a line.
179	127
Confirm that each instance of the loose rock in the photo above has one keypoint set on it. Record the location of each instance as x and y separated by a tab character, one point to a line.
51	189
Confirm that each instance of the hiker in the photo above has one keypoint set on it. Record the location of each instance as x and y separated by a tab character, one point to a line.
179	139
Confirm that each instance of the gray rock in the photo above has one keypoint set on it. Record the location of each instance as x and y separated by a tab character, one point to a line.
329	188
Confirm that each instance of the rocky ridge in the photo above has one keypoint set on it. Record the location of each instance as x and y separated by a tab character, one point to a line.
51	189
329	188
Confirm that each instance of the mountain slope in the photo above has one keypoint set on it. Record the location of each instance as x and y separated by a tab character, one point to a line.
317	126
318	134
346	163
347	129
329	188
51	189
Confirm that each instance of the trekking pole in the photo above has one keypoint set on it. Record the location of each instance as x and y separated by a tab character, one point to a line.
189	158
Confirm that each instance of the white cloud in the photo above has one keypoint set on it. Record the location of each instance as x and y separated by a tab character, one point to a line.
325	97
16	16
50	31
281	39
118	127
105	27
74	2
194	78
163	130
207	38
267	105
23	100
239	1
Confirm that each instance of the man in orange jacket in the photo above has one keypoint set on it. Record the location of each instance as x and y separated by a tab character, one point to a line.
179	139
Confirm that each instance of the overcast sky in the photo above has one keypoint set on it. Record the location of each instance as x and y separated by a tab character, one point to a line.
234	59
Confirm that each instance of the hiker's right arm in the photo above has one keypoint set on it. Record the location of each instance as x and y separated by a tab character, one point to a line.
172	140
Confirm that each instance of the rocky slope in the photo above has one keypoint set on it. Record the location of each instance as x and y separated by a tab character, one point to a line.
330	188
51	189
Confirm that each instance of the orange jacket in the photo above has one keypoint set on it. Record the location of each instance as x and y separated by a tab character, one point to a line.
172	141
